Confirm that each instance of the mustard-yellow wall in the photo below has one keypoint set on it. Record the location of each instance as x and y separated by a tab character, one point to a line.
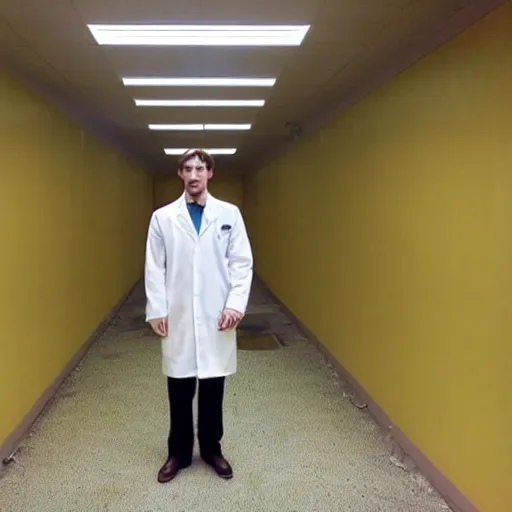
74	218
170	187
389	233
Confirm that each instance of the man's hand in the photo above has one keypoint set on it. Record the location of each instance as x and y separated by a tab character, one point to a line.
229	319
160	326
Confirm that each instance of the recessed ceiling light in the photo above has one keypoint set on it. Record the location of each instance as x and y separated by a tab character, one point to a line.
200	35
200	82
213	151
191	127
200	103
227	126
199	127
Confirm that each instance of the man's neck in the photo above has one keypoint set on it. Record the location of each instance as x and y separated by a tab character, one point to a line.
200	199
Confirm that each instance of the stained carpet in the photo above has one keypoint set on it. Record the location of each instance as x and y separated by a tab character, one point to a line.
295	442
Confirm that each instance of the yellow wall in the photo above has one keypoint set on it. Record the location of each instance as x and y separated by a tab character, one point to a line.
389	233
74	218
170	187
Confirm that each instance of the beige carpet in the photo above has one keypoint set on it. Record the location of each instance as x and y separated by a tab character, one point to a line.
249	341
296	444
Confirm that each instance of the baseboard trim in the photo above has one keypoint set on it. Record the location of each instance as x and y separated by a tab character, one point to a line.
10	445
454	498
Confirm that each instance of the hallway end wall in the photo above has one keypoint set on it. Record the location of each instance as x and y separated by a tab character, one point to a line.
170	187
388	234
74	220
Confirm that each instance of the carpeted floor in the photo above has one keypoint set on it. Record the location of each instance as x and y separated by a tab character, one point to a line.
296	444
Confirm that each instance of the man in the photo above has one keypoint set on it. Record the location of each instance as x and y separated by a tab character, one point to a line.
198	277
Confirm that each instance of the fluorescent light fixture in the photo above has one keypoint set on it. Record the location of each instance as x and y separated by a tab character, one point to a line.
187	127
213	151
199	127
200	35
200	103
227	126
200	82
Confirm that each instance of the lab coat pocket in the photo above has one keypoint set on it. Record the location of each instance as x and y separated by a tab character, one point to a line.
223	239
167	347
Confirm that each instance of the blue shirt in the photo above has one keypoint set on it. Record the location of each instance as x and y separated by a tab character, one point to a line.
196	214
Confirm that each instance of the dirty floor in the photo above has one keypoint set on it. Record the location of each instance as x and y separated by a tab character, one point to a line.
296	442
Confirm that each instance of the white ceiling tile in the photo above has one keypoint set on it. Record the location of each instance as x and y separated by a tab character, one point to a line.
113	101
138	11
8	37
213	93
197	115
20	6
84	78
73	56
40	78
199	139
331	55
419	19
198	61
362	10
301	12
349	21
57	22
107	94
299	90
305	76
24	56
125	120
120	113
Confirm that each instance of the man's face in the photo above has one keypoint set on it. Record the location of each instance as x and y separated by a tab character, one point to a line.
195	176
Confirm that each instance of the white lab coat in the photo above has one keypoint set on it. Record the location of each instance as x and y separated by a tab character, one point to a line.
191	278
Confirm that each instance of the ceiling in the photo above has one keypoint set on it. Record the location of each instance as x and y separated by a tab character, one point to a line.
351	47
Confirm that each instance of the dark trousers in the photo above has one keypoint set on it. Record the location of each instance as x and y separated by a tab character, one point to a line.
209	421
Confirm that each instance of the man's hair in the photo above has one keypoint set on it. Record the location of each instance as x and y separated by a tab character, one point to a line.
203	155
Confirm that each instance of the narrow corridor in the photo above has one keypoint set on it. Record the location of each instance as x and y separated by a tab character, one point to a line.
296	444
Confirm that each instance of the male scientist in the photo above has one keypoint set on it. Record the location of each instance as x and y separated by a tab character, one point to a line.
198	276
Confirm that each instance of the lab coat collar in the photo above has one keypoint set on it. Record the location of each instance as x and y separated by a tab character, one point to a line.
189	200
210	213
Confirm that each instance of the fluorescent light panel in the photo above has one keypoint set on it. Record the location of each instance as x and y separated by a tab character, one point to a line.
213	151
185	127
200	82
199	103
227	126
200	35
199	127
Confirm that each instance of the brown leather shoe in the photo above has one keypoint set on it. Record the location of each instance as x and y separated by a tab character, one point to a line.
220	465
170	469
